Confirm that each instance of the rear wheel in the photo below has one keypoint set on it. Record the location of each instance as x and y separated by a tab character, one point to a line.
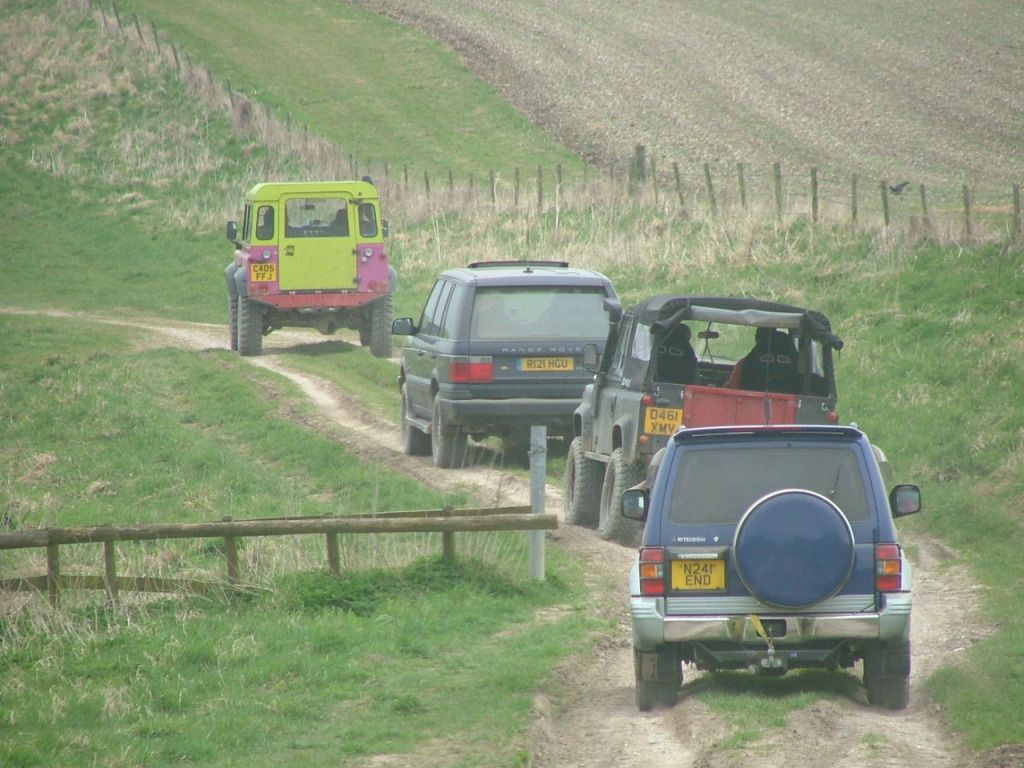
618	476
250	327
414	442
658	677
233	322
887	675
381	314
447	443
582	486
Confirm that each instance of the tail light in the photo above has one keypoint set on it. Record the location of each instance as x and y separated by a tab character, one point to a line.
888	568
652	571
471	370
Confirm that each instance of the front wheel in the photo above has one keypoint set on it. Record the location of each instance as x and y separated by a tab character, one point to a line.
447	443
618	476
250	327
582	486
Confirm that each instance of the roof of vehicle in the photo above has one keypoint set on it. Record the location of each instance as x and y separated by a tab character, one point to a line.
267	191
526	273
667	310
780	430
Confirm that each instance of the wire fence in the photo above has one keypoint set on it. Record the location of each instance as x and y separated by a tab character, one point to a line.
701	191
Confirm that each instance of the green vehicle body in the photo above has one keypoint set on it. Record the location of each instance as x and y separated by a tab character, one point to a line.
310	255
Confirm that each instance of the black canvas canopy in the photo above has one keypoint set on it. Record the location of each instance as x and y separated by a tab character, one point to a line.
666	311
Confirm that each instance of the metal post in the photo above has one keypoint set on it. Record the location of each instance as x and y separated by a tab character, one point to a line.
538	473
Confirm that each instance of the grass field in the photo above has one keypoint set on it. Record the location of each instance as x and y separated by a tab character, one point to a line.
107	425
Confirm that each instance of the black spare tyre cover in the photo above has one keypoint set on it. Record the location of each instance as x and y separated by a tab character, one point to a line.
794	548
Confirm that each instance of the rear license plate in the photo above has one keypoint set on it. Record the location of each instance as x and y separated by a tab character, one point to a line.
263	273
535	364
698	574
662	421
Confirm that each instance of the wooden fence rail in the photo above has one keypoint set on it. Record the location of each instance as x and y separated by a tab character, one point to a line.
445	521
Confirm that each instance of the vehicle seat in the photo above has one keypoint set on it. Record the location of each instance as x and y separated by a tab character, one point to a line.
771	366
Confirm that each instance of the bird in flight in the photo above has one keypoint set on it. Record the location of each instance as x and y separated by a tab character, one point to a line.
899	189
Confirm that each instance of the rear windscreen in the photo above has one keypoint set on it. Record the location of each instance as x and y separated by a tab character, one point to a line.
719	484
545	314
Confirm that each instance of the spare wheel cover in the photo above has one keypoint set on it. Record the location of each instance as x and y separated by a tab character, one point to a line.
794	548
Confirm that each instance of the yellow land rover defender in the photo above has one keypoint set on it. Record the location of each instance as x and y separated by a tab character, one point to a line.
311	255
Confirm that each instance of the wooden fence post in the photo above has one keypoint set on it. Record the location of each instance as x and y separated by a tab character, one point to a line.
333	556
231	551
853	198
925	213
110	569
777	182
156	40
515	190
451	182
814	195
884	187
447	539
654	181
138	28
742	184
426	183
638	168
494	191
53	574
968	227
1018	225
679	187
712	202
540	190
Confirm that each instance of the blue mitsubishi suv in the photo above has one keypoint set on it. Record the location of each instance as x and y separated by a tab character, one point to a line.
770	549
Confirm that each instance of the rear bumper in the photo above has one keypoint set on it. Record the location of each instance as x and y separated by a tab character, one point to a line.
483	415
653	628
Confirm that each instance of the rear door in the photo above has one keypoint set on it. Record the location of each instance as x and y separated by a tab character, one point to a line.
318	242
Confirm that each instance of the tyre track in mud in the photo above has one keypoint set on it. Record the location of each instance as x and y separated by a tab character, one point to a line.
594	723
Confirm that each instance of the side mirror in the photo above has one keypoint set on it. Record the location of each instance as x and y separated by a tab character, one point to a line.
905	500
385	228
231	231
614	309
591	357
634	504
403	326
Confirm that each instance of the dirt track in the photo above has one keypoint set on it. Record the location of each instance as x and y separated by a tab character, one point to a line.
598	724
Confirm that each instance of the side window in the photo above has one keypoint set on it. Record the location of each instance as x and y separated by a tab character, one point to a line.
619	354
265	222
455	311
431	306
641	349
367	220
432	326
247	223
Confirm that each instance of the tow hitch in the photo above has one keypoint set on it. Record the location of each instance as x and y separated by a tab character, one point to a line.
769	662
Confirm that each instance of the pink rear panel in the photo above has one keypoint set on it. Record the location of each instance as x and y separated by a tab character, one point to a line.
372	264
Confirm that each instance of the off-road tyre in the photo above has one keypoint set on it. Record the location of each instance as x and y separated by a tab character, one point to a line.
661	688
233	323
583	478
381	315
618	476
887	675
447	443
414	442
250	327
